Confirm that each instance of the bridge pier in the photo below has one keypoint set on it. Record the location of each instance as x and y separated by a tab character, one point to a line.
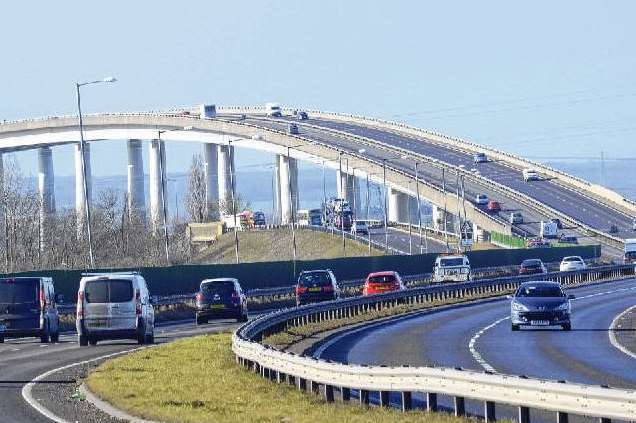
348	188
80	201
46	190
287	188
135	188
155	183
443	220
398	206
225	166
211	169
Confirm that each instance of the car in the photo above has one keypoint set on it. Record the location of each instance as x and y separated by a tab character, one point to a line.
381	282
360	227
493	206
538	243
558	222
532	267
301	115
28	307
568	239
540	303
572	263
259	219
613	229
516	218
114	306
530	175
480	158
292	129
220	298
481	199
315	286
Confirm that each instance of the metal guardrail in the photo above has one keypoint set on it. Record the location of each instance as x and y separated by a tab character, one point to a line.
329	377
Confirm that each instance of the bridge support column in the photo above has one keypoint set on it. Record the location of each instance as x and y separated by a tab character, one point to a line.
398	206
46	190
287	188
211	169
348	188
156	191
225	165
80	201
440	217
136	190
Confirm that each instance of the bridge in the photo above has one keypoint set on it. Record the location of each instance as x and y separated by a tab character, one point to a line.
410	162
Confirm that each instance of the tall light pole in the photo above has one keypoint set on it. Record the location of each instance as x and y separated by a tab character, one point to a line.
233	191
162	179
87	207
344	242
367	216
386	217
419	205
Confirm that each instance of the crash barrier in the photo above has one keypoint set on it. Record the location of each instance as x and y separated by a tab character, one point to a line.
330	378
184	279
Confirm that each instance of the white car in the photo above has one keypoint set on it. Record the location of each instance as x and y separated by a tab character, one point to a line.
481	199
530	175
572	263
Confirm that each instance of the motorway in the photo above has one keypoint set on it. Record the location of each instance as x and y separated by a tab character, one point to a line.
579	206
21	360
477	336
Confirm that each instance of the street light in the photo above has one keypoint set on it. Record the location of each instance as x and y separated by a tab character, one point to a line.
162	176
87	206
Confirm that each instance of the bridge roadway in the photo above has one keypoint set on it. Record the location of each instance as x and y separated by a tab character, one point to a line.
578	206
478	337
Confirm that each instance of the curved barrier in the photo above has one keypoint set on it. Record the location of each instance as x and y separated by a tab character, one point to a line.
329	377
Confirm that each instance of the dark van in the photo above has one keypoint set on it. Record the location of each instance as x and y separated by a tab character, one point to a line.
28	307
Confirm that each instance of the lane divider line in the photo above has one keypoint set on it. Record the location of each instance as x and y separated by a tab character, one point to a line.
612	335
472	344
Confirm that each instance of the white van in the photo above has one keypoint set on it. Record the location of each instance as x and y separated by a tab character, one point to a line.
114	306
273	109
451	268
530	175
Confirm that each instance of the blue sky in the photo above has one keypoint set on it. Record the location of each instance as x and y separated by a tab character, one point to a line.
538	78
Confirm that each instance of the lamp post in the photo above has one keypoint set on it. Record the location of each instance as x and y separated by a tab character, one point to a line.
386	217
162	179
87	207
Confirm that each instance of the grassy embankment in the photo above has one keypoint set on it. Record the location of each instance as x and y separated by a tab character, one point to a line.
275	245
197	380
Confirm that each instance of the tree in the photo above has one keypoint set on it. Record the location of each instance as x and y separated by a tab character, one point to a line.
196	201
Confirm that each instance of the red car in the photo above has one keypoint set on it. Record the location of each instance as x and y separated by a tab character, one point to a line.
381	282
494	206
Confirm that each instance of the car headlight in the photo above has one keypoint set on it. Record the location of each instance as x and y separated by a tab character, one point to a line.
518	306
562	307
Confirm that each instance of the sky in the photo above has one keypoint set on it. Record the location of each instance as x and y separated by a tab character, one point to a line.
542	79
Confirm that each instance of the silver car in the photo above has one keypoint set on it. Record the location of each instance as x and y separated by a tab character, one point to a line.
114	306
541	304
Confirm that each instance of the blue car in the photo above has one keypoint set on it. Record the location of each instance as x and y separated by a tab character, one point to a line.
540	304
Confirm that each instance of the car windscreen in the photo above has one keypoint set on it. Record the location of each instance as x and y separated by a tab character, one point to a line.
571	259
108	291
452	262
218	287
630	254
13	291
314	279
539	291
531	263
382	279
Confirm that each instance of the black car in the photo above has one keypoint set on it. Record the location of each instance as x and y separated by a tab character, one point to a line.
315	286
531	267
302	115
220	298
28	307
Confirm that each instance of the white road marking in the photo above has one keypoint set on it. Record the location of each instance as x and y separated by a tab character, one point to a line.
612	335
486	366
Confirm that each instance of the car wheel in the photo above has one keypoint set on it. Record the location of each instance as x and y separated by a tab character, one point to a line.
92	341
150	339
55	337
1	339
567	326
82	340
514	327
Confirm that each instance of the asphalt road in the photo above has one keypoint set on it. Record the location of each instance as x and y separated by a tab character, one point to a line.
443	338
21	360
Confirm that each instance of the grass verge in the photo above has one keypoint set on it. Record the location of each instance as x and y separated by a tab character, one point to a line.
197	380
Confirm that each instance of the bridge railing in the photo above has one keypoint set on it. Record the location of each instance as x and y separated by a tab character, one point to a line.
328	377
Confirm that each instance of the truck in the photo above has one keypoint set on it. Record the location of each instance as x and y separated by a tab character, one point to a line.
629	256
207	111
259	219
273	109
337	213
311	217
244	220
451	268
548	229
